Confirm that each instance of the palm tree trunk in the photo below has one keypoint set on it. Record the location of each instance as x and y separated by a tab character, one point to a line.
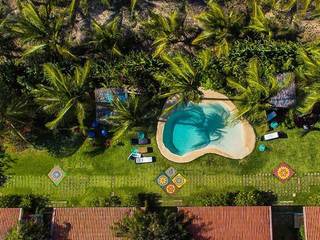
19	133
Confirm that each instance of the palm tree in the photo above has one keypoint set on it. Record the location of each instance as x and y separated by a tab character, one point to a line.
270	26
182	79
134	113
309	74
65	96
14	112
41	30
107	35
254	95
219	28
116	5
301	7
8	48
165	30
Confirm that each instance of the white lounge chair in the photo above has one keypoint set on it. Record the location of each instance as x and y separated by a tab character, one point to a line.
141	160
272	136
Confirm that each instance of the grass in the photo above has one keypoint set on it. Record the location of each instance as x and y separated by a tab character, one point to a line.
94	175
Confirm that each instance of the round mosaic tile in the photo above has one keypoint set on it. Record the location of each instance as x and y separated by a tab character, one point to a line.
171	188
162	180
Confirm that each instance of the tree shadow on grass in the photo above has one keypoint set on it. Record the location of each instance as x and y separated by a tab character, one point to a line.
57	143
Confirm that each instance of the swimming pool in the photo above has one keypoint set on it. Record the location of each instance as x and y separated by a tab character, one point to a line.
196	129
196	126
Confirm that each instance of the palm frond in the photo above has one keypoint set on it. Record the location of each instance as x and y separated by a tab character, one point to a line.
60	115
33	49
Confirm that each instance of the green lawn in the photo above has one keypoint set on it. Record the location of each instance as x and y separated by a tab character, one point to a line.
110	171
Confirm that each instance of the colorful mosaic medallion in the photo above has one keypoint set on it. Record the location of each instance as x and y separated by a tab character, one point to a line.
170	188
56	175
179	180
283	172
162	180
171	172
170	181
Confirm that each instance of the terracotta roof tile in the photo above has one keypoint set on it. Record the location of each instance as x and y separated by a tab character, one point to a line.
9	218
85	223
230	223
312	222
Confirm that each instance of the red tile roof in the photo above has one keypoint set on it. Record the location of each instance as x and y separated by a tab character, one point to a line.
312	223
9	218
231	223
85	223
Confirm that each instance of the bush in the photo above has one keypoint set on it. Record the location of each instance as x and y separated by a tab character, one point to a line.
250	198
97	201
241	198
10	201
215	199
149	200
135	70
283	55
163	224
29	231
28	202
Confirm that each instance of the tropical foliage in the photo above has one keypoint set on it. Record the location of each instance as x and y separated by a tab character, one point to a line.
271	26
65	96
154	225
165	30
253	97
107	35
40	29
309	74
183	79
28	231
130	115
15	113
219	28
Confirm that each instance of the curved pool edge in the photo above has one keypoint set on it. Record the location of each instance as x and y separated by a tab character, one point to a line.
209	96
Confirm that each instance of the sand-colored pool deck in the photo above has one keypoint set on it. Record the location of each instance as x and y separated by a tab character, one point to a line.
247	138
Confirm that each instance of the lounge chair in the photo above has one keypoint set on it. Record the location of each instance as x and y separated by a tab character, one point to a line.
144	141
133	156
143	150
272	136
145	160
271	116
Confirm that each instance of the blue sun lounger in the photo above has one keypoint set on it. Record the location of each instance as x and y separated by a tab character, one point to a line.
271	116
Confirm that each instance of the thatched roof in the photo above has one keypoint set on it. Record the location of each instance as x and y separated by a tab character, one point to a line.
286	97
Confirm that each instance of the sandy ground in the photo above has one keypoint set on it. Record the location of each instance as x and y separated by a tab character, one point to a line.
209	96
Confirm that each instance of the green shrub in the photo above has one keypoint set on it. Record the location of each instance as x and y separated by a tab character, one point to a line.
135	70
28	202
281	54
98	201
149	200
10	201
214	199
29	231
240	198
250	198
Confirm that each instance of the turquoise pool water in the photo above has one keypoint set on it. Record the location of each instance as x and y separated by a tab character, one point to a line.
196	126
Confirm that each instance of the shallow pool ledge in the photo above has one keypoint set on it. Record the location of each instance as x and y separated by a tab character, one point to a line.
248	137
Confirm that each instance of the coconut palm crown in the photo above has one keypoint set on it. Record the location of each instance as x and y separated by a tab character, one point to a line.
65	96
309	74
182	79
41	30
165	30
134	113
219	28
253	96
